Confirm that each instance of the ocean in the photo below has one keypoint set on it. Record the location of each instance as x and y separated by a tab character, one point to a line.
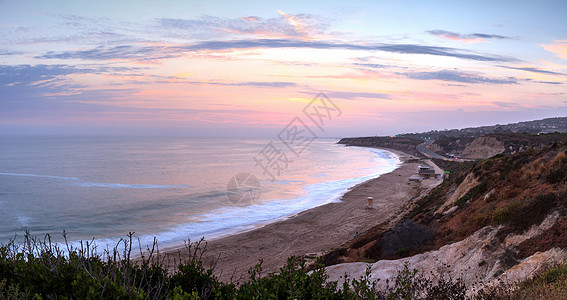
169	188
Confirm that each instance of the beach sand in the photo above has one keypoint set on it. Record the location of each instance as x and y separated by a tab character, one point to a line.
319	229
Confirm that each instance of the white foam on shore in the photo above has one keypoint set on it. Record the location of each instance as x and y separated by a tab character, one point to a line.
232	220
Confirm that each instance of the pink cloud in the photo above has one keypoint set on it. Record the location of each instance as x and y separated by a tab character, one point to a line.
466	38
558	47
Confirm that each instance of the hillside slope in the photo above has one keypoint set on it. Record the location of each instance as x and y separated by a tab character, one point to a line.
548	125
501	216
492	144
406	145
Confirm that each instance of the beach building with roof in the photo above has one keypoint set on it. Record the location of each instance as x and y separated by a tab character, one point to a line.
426	171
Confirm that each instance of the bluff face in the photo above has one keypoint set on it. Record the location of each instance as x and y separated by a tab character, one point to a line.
492	144
406	145
504	216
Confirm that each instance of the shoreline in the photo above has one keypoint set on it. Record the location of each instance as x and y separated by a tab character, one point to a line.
316	230
227	233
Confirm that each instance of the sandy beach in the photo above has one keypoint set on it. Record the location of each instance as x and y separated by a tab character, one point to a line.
319	229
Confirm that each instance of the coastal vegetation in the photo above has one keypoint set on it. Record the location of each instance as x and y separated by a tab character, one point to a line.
403	144
528	127
513	190
39	269
512	204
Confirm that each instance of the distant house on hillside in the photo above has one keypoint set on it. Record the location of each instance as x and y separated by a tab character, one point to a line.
426	171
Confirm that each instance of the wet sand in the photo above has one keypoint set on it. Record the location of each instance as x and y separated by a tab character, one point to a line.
319	229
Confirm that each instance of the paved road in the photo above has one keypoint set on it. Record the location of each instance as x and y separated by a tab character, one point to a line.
425	150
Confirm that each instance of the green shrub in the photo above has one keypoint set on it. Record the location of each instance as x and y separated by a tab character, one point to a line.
550	276
506	213
471	194
293	281
12	291
38	270
549	285
41	268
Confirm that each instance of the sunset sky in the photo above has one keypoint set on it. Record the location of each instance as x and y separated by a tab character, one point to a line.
247	68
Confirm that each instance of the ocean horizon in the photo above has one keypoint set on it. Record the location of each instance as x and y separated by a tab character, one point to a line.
170	188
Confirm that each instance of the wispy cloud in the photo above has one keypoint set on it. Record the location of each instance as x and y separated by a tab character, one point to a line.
38	75
395	48
505	104
182	80
159	52
466	38
75	30
41	92
549	82
30	86
73	111
275	84
373	66
9	52
535	70
302	26
251	18
126	52
48	83
558	47
357	95
458	76
22	82
544	82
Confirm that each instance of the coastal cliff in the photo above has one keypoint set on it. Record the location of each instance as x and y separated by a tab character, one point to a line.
500	218
492	144
406	145
483	147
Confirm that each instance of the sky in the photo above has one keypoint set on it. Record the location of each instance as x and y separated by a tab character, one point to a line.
249	68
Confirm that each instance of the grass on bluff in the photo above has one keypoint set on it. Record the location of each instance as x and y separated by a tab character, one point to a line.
38	269
516	191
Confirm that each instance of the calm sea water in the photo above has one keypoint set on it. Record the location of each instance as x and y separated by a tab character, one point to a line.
169	188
